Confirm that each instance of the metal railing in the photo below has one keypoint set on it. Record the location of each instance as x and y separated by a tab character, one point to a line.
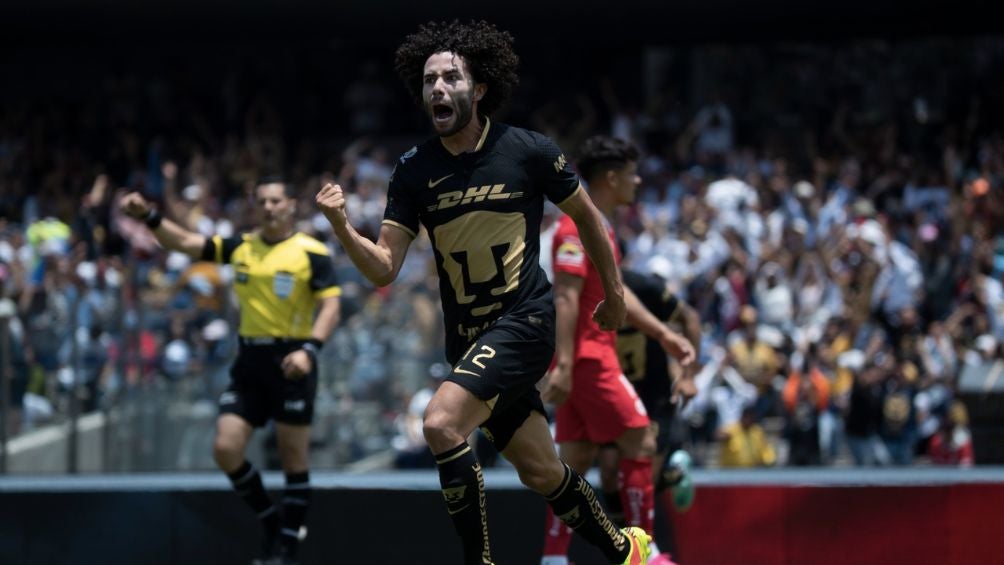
148	421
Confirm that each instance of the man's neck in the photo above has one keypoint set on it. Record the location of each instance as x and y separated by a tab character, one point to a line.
466	140
272	237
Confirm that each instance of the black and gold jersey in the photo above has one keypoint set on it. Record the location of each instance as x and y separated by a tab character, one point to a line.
278	285
482	211
643	360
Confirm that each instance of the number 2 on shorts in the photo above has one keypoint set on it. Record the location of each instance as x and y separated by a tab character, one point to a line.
486	352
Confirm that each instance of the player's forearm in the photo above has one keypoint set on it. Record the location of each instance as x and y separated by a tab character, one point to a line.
327	319
596	242
639	317
691	327
176	238
373	261
566	316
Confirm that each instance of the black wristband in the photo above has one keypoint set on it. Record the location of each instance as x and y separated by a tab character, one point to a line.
153	219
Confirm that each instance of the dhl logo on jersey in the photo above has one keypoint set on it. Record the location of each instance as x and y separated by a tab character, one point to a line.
472	195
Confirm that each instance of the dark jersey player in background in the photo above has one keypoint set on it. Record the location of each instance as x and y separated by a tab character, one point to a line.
280	276
478	189
596	404
647	367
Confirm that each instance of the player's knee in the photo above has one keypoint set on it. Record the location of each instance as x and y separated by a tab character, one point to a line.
541	476
649	446
636	443
227	453
440	431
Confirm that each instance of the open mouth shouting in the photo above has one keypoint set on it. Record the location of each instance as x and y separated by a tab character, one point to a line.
442	115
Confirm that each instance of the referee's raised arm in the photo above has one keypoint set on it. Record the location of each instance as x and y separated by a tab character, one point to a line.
169	234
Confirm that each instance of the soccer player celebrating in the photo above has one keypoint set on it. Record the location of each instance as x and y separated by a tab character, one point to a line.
478	188
280	276
596	403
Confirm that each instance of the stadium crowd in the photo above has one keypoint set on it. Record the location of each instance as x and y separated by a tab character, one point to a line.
834	215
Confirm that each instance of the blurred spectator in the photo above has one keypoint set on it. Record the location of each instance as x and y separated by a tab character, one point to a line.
410	448
756	360
366	101
899	412
953	444
712	133
94	367
745	444
865	413
774	297
806	397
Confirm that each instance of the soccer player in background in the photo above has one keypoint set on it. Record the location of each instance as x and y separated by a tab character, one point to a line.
596	405
478	188
280	276
647	367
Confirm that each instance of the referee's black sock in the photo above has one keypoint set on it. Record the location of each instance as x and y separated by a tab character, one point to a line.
464	490
247	483
575	503
295	501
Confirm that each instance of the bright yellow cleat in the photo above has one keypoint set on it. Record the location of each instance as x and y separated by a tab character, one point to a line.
639	541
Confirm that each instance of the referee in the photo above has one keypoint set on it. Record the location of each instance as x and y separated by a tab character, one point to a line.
280	276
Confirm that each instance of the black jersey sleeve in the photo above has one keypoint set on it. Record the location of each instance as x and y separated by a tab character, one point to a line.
669	302
552	172
219	249
323	281
322	271
402	210
654	293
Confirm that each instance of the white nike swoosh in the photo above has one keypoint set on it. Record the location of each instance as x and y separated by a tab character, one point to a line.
466	372
435	183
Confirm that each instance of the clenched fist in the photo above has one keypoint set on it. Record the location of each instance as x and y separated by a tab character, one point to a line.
134	205
331	201
610	313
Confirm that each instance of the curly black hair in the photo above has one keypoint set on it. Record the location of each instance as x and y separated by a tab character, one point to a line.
486	49
601	153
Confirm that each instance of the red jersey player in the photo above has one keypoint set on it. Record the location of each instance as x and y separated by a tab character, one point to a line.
596	403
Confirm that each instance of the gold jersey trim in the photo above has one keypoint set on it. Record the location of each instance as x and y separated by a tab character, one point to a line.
570	196
454	456
484	135
401	227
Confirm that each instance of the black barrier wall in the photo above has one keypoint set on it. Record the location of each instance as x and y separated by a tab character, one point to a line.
384	518
347	527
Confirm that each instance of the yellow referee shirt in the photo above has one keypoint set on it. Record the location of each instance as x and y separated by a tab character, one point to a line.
278	285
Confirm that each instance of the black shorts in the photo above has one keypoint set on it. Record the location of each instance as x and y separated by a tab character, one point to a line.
502	368
259	392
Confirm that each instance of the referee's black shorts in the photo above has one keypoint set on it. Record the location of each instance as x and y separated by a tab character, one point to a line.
259	391
502	368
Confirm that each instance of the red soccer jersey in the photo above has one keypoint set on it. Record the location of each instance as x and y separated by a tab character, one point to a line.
570	258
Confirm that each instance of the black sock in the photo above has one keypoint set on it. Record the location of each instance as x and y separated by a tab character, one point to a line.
247	483
464	490
575	503
295	501
615	508
668	478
